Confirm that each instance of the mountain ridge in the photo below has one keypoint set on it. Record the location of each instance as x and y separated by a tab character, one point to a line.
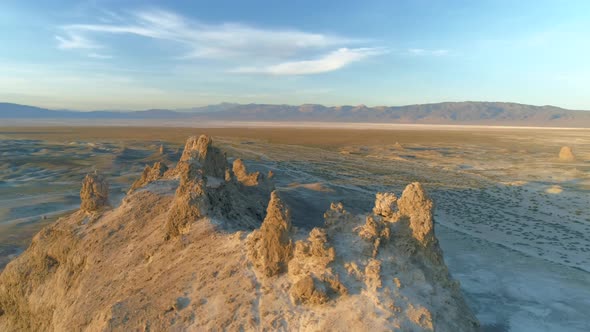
468	112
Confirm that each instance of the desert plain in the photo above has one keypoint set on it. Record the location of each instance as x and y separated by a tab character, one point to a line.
512	217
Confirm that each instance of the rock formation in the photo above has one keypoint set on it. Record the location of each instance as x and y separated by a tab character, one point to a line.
200	150
270	247
150	174
190	201
245	178
179	254
417	206
94	193
385	204
566	154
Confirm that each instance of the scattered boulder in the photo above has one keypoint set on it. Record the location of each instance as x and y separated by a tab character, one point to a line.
566	154
149	174
308	290
270	247
94	193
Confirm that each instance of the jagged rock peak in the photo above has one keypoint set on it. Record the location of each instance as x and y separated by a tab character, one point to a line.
202	151
417	206
190	201
150	174
566	154
270	247
94	193
242	175
385	204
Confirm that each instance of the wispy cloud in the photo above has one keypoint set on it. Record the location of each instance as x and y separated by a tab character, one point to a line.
99	56
329	62
212	41
425	52
73	40
287	51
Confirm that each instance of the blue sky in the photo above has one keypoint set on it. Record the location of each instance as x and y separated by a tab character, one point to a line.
178	54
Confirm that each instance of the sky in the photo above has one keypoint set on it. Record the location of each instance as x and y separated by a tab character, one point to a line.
120	55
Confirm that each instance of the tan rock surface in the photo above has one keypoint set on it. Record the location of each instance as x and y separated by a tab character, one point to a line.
270	247
566	154
94	193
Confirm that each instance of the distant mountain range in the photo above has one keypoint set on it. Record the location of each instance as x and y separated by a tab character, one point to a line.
460	113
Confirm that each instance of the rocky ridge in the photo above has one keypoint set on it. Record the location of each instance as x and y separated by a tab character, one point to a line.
209	246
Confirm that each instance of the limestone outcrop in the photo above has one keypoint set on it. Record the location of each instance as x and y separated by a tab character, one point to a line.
190	201
566	154
417	206
200	149
242	175
94	194
270	247
208	187
150	174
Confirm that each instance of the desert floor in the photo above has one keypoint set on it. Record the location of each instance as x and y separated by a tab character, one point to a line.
513	220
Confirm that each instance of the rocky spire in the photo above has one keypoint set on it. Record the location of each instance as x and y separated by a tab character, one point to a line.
566	154
200	150
417	206
94	193
270	247
242	175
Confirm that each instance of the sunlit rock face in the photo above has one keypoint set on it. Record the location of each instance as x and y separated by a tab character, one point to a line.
94	193
566	154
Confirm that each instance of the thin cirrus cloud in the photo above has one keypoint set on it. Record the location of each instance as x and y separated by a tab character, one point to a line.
424	52
283	48
332	61
75	41
99	56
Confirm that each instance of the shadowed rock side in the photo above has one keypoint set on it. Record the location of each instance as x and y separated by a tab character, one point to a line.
566	154
208	186
94	194
179	255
